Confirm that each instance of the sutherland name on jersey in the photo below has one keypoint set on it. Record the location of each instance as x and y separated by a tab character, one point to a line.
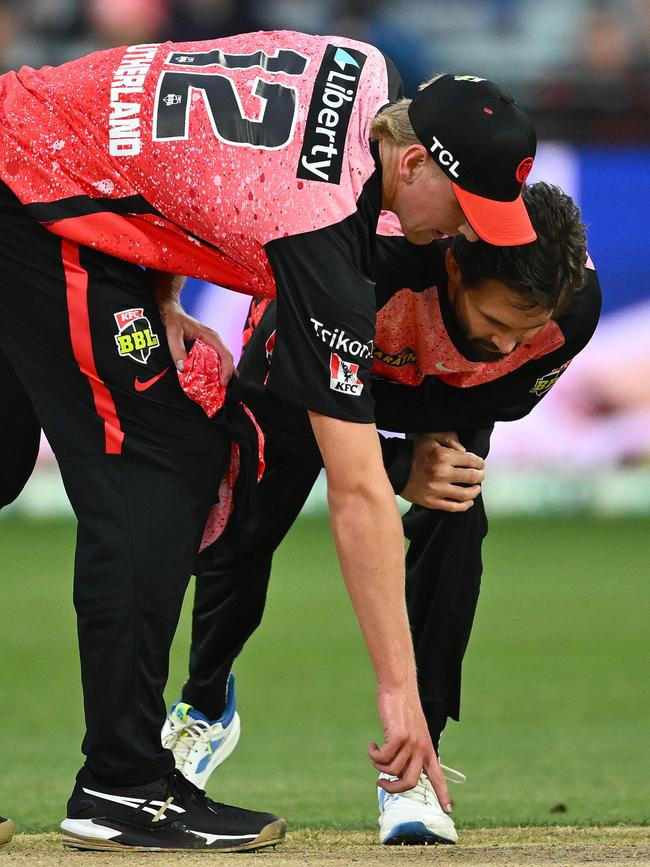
124	132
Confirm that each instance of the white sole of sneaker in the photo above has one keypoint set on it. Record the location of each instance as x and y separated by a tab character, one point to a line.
7	831
80	834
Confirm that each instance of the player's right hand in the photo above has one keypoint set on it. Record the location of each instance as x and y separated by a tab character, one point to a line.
443	474
407	748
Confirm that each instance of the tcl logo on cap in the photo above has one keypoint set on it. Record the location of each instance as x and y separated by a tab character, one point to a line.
344	376
444	157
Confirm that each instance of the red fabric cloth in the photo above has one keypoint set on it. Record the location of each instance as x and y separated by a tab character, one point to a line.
200	379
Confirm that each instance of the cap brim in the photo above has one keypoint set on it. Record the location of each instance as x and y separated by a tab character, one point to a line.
504	224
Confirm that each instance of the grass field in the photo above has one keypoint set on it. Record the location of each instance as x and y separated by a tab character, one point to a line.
555	714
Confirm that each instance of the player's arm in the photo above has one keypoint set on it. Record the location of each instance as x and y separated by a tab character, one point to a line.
180	327
370	546
321	362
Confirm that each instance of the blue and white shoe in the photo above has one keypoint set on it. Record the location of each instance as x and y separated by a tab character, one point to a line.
200	745
413	818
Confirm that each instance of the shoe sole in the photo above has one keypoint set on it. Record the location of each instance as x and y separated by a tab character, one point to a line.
270	835
415	834
7	831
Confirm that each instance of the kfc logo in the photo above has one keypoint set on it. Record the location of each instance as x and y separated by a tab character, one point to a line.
344	376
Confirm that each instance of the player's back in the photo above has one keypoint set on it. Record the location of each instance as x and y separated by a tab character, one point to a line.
188	156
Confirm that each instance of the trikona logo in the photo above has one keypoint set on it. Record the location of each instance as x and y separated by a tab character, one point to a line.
344	376
339	339
444	157
135	338
335	89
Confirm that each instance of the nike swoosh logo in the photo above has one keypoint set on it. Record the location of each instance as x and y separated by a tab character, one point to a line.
143	386
440	366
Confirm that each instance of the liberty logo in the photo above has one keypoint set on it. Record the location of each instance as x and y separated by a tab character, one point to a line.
335	90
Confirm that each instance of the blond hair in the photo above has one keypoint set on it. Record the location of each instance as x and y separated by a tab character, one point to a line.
393	123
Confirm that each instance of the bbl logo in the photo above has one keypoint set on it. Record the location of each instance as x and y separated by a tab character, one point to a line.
545	383
135	338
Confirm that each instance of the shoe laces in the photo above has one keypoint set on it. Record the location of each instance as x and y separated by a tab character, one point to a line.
424	793
453	776
184	737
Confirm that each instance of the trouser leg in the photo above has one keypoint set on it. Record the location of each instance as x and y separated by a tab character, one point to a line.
443	578
20	434
232	578
141	468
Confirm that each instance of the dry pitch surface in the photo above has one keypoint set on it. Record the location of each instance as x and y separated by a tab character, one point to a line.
495	846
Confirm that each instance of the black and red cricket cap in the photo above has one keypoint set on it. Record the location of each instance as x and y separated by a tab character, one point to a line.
486	145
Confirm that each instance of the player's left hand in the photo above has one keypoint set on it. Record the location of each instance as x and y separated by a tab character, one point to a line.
180	327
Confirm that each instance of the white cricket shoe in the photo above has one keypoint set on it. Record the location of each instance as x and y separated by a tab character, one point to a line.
413	818
200	745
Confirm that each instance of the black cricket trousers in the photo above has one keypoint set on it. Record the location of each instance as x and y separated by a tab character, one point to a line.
443	576
83	355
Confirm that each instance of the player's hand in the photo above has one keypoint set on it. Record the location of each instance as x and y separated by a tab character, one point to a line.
181	327
407	748
443	474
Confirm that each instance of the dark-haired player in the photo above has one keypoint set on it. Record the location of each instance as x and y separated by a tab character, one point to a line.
467	334
260	162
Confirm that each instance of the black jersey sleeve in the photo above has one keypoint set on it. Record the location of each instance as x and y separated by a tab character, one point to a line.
323	348
436	406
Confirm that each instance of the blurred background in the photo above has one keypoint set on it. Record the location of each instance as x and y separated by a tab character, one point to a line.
555	714
582	70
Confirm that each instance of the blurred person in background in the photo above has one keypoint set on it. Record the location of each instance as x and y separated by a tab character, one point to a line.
192	20
127	22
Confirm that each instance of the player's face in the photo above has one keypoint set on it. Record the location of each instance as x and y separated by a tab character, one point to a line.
489	317
422	197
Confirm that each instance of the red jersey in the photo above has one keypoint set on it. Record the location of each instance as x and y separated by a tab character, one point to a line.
245	161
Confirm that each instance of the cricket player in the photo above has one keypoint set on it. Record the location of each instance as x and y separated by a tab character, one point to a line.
260	162
467	334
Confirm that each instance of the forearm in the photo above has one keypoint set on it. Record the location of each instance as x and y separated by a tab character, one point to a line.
167	288
370	544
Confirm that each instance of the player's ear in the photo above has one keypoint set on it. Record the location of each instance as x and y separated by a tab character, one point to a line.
412	159
453	268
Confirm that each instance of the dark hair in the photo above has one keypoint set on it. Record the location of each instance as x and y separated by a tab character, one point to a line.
545	273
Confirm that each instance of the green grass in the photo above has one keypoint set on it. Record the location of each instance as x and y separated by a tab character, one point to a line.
555	692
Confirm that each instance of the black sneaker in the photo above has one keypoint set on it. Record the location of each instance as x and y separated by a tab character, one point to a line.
7	829
169	814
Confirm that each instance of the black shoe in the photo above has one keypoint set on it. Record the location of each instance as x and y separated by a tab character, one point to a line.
168	814
7	829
